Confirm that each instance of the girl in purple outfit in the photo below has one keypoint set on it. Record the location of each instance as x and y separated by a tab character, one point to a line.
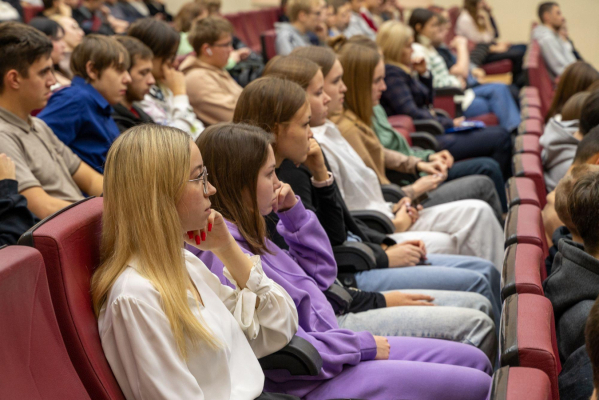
355	364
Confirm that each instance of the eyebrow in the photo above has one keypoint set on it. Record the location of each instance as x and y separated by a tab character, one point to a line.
45	70
199	167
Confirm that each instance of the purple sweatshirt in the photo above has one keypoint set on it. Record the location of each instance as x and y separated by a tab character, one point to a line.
304	272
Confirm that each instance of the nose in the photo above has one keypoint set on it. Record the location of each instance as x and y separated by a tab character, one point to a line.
151	80
211	190
343	89
383	86
277	182
327	98
310	134
127	78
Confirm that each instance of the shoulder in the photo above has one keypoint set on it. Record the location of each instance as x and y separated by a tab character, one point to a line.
131	286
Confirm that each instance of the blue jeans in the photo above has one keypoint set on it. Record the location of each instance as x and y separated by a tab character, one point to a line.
447	272
495	98
481	166
492	141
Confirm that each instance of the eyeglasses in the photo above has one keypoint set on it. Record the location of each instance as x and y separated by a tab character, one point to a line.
203	177
228	44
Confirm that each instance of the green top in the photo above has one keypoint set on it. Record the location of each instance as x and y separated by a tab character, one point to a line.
391	139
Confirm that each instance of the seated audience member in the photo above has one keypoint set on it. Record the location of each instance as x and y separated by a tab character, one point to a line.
370	11
248	189
126	113
358	25
332	213
184	20
130	10
493	98
576	78
158	10
155	300
15	218
73	35
556	51
339	14
80	115
55	33
167	103
413	97
560	139
304	16
476	23
573	284
55	7
94	17
50	176
212	91
592	349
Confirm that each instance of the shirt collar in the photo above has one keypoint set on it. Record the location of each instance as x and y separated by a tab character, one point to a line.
12	119
95	95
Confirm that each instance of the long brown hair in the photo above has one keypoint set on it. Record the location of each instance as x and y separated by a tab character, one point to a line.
322	56
573	107
359	63
298	69
234	154
146	171
471	6
576	78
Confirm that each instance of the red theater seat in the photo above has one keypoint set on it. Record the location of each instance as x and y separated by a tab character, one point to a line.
529	91
521	191
268	40
524	224
523	270
531	113
498	67
538	75
531	126
529	166
527	336
520	383
34	362
527	143
531	101
70	244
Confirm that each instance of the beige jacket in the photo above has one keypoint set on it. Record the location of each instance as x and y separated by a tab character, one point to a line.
212	92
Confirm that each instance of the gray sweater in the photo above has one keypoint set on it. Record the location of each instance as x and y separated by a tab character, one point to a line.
557	53
559	147
288	38
572	288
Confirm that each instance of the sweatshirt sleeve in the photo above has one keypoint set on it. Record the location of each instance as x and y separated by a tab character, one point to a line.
308	244
15	218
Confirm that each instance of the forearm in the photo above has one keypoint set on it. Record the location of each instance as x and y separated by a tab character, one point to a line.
399	162
462	65
236	262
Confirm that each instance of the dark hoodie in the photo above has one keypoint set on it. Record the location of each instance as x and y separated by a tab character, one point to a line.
125	118
572	288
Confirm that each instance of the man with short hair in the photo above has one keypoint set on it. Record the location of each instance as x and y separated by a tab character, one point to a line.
304	17
212	92
80	115
557	52
127	114
49	175
339	16
167	103
357	24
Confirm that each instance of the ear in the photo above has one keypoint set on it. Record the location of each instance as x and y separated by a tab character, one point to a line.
12	79
278	130
596	160
91	71
417	27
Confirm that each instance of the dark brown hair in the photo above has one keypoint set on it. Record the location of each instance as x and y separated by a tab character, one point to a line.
588	147
420	16
471	6
158	36
234	154
573	107
576	78
20	47
322	56
208	30
545	7
583	206
589	117
297	69
187	14
136	49
103	52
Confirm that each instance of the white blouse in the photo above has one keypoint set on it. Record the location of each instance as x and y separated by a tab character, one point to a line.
142	352
359	185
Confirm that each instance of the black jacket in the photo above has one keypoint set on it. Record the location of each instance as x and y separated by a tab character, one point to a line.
576	378
125	119
572	288
92	22
15	218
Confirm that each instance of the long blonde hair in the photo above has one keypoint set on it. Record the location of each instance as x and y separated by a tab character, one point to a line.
392	38
146	171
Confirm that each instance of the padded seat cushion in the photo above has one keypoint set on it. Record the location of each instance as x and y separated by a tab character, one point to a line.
522	191
531	126
529	165
527	143
520	383
524	224
523	270
531	113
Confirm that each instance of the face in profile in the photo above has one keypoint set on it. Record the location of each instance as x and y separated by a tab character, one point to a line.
293	138
268	184
319	100
335	88
141	80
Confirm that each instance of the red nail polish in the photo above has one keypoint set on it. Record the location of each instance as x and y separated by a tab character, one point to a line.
198	240
203	235
190	234
209	227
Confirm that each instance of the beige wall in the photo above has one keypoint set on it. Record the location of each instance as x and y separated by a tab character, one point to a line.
228	5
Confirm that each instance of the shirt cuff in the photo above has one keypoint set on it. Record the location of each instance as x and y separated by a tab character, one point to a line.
321	184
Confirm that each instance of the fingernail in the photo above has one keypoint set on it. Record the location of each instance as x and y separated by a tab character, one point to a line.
190	234
209	227
203	235
198	240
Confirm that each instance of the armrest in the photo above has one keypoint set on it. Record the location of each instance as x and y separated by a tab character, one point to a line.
354	257
392	192
430	126
299	357
448	91
442	112
424	140
375	220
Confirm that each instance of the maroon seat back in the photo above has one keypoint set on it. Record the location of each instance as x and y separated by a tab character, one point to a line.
521	191
538	75
530	166
236	19
269	49
524	224
523	270
528	143
34	362
70	244
520	383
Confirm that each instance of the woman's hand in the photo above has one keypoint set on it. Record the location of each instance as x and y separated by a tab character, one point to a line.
315	162
7	168
398	299
458	121
174	80
419	65
444	156
406	254
285	199
382	348
213	237
432	167
402	220
427	183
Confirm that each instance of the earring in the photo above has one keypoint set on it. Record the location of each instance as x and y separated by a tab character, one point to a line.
209	52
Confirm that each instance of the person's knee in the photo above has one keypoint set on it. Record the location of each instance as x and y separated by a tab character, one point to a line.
476	302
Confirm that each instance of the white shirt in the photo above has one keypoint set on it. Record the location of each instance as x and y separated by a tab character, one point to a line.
359	185
142	351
